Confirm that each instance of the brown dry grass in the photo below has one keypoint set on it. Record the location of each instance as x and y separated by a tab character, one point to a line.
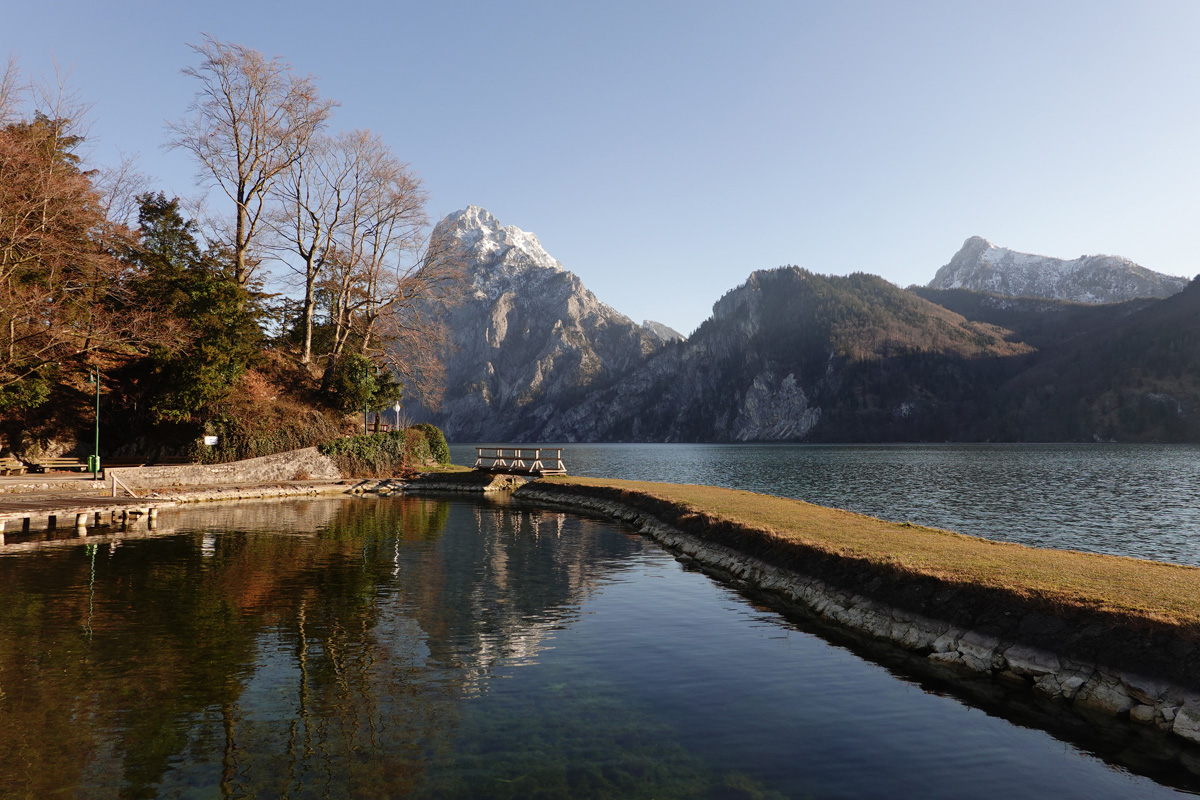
1129	588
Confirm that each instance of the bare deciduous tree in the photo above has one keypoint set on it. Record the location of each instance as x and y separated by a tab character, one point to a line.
412	331
251	119
382	223
384	279
10	90
120	187
313	196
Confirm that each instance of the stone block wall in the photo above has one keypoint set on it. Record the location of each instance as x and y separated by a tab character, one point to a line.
296	465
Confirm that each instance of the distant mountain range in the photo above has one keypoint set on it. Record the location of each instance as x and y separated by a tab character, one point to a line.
983	267
794	356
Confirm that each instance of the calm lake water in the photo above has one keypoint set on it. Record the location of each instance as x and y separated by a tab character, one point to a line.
1134	500
429	648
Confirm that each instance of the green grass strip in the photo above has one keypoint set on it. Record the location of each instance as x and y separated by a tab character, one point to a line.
1131	589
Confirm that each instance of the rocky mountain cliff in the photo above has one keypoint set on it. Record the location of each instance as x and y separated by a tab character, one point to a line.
983	267
529	339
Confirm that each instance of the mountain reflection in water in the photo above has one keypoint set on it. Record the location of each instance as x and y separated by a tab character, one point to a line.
429	648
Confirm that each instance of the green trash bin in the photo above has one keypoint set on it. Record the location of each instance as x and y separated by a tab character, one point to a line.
94	464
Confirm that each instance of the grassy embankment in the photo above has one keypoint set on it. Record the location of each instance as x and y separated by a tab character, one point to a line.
1145	593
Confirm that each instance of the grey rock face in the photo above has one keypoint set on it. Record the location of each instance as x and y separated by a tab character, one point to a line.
774	410
663	333
529	338
983	267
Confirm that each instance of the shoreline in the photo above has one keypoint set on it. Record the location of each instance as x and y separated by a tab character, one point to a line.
1099	664
1088	660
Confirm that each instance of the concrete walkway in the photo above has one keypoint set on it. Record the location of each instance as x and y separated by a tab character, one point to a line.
42	502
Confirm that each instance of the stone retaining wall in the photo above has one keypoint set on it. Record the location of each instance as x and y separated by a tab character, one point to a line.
295	465
41	484
261	492
1152	697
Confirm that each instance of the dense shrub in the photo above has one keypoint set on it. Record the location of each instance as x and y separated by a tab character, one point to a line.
379	455
438	449
275	430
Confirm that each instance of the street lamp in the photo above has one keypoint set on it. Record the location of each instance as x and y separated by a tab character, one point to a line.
396	408
94	459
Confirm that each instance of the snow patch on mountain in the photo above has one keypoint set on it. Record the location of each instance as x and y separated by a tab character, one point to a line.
983	267
664	333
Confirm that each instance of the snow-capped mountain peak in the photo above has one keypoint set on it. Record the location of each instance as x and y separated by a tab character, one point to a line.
983	267
486	241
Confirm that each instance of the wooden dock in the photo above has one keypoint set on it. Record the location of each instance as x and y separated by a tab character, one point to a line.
80	509
520	460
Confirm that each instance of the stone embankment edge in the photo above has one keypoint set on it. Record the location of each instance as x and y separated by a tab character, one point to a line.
1089	686
266	492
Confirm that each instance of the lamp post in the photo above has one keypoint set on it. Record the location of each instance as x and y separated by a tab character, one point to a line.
94	461
396	408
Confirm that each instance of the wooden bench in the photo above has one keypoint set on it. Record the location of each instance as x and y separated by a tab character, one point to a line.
11	466
47	464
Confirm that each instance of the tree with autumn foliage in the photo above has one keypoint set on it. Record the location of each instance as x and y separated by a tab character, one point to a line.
100	275
67	297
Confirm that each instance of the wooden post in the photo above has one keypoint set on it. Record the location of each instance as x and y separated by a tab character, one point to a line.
53	522
81	523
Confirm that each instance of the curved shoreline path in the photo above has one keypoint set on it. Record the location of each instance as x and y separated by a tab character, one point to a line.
1101	634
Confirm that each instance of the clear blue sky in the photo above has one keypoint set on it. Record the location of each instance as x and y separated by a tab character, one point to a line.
663	151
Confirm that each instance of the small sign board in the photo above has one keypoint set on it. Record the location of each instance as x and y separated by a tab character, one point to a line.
210	440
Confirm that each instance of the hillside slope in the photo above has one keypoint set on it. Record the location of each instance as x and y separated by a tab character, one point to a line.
1137	379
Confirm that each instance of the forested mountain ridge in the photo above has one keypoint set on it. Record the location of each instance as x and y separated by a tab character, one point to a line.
791	355
1039	322
1136	379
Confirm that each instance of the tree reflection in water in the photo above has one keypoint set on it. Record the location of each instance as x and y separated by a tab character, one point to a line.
314	649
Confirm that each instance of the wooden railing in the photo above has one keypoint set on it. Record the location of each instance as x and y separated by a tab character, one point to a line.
117	482
521	460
